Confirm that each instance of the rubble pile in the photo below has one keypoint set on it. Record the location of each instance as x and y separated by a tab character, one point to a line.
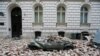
10	47
53	38
58	38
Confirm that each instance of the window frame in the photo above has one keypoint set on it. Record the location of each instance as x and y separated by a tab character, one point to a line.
39	12
60	12
84	15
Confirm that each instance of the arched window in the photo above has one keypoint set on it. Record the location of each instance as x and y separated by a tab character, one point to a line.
38	14
61	14
84	15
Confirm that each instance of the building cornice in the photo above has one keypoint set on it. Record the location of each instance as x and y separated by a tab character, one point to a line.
53	0
94	0
25	0
76	0
5	0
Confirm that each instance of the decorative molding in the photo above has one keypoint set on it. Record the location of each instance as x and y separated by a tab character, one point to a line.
76	0
54	0
5	0
37	1
94	0
50	0
37	24
14	1
86	1
61	1
61	24
85	24
25	0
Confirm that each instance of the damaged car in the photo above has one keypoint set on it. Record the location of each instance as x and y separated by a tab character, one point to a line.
51	43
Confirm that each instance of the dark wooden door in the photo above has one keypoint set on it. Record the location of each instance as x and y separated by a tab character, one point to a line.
16	22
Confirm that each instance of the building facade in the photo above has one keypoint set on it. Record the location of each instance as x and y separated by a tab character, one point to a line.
33	18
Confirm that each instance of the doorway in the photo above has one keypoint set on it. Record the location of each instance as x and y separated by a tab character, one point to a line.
16	22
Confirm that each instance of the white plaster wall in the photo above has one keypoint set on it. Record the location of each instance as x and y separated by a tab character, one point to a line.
27	18
95	15
3	29
50	17
73	14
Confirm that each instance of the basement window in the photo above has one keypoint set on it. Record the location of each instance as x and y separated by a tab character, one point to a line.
61	33
1	14
1	23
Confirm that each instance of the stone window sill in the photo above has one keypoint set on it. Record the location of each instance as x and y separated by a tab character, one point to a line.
37	24
85	24
61	24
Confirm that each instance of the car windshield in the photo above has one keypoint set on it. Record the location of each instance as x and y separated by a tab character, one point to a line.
53	39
